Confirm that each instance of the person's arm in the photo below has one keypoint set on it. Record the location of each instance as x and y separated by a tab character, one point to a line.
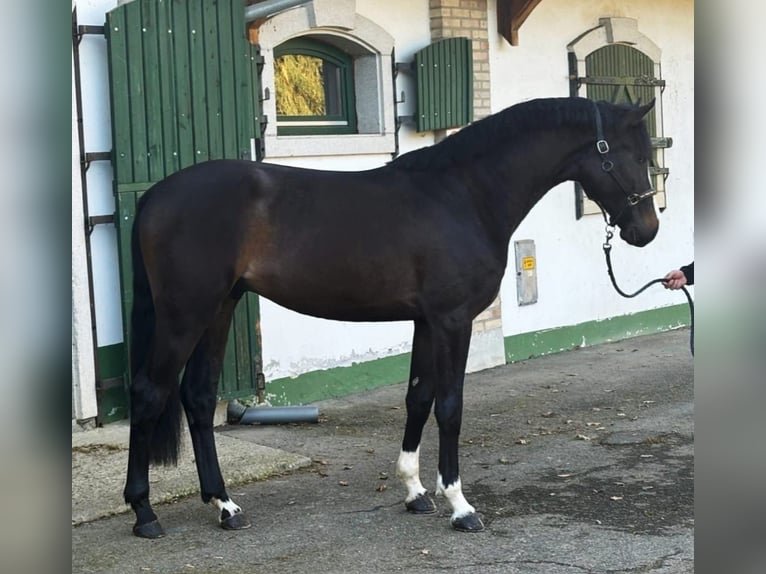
679	277
688	271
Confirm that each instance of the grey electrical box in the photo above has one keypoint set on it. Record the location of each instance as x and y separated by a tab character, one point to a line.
526	272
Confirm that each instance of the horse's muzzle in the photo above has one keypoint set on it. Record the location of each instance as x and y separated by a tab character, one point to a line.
638	235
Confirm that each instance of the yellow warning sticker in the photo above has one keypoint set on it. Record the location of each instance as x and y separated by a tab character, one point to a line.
528	263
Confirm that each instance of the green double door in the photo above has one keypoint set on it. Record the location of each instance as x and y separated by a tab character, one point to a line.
184	88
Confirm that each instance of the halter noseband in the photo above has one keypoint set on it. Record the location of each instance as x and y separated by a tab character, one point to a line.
607	166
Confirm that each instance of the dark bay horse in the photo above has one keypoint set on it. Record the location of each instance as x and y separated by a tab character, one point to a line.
424	238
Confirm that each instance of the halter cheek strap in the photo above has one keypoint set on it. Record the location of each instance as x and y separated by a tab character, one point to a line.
607	165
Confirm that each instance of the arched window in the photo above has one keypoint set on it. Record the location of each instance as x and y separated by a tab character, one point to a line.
352	58
314	87
616	63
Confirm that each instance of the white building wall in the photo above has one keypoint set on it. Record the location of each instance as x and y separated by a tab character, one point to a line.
83	364
98	137
573	286
293	343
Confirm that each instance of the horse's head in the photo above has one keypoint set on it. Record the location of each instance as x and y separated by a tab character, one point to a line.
614	171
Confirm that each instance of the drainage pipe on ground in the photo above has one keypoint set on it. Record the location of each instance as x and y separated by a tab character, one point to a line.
237	413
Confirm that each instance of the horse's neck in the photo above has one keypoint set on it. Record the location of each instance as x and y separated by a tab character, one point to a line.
507	184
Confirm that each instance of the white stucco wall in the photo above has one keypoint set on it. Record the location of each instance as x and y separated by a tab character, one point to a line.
97	137
293	343
83	366
572	281
573	286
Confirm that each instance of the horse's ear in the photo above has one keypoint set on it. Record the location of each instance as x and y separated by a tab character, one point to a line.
636	115
645	109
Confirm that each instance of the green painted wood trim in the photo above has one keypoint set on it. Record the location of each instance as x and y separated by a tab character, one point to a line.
527	345
112	398
118	81
111	361
137	87
338	382
137	187
183	40
112	404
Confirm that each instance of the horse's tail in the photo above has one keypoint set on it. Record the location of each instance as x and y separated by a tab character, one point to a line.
165	440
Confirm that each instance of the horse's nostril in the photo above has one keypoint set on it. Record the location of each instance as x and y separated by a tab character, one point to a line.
630	235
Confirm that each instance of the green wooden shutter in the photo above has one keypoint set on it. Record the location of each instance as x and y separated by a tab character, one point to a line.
622	74
444	77
182	89
619	74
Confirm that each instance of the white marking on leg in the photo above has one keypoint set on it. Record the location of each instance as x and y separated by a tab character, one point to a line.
227	505
408	470
454	495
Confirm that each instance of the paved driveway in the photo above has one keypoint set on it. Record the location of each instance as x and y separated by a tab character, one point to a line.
580	462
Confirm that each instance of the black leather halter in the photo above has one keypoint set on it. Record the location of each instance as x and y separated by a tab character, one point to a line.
607	166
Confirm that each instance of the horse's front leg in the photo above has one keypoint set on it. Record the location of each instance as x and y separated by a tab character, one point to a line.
420	399
451	354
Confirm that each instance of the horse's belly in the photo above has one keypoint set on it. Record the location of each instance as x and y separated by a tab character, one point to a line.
345	292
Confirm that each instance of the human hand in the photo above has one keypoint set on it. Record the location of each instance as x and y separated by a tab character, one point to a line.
674	280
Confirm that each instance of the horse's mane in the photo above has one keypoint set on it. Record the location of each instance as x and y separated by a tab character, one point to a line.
486	135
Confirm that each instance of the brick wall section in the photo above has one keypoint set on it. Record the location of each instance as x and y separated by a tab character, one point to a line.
468	18
489	319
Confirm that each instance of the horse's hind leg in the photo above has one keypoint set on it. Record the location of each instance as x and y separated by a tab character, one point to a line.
198	395
154	423
420	398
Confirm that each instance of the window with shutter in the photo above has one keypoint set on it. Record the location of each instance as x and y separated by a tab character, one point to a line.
327	73
616	63
314	87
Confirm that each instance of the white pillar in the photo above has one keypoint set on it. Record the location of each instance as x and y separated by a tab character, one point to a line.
487	342
83	364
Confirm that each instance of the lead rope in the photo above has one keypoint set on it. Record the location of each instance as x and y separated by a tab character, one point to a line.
607	254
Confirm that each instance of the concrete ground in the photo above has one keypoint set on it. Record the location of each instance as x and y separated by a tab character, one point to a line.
580	462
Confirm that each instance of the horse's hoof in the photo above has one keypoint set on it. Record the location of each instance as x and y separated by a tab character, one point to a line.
151	529
421	505
236	521
468	523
